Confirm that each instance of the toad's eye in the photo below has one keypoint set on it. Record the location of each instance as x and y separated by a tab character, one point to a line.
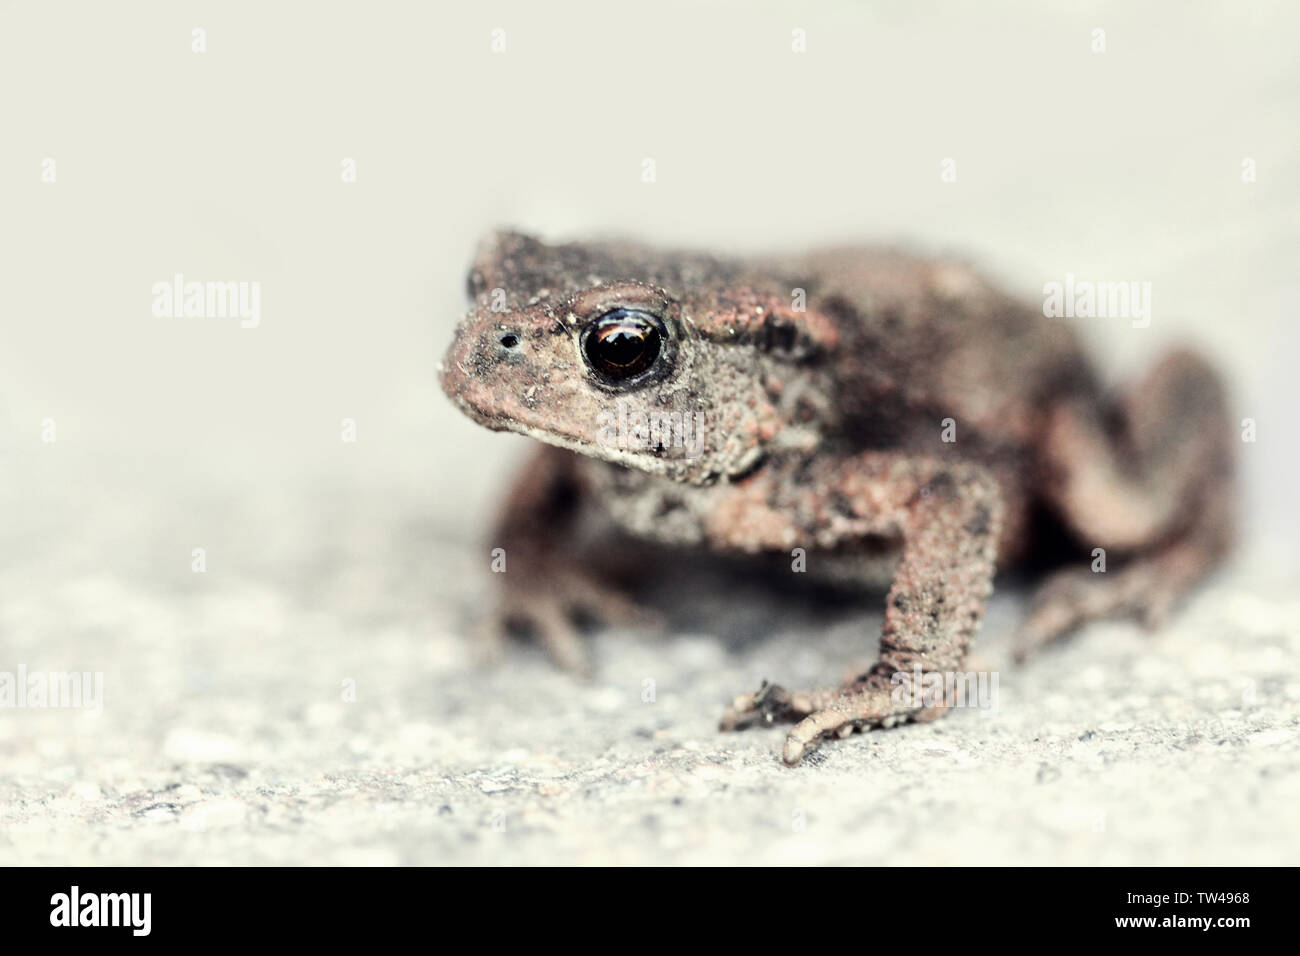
622	345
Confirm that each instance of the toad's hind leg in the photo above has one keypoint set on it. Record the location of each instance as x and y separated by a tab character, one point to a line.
1153	489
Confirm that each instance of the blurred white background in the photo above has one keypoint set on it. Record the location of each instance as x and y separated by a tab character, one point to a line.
225	165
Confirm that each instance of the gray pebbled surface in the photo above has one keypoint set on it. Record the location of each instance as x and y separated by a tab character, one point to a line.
224	738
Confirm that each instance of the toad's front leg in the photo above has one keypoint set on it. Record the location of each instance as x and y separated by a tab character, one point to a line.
546	585
947	516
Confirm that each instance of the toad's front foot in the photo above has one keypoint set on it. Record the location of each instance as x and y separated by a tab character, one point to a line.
548	607
769	704
822	714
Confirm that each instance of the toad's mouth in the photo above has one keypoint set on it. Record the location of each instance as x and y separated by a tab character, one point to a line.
484	407
498	419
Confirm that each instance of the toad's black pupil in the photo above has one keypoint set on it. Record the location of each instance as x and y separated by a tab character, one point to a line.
622	344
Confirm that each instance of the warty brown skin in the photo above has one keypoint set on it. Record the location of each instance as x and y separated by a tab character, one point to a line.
851	401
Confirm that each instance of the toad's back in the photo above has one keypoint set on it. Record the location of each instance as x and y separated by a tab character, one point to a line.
926	339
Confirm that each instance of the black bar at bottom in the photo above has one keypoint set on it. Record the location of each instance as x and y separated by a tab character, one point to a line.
337	905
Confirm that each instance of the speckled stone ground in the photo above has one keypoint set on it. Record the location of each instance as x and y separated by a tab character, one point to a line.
225	737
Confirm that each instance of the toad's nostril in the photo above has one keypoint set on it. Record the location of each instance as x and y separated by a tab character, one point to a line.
509	341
